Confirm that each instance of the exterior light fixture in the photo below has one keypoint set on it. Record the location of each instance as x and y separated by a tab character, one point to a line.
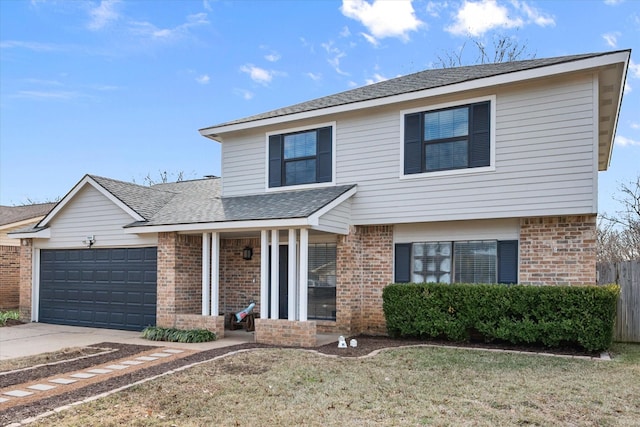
89	241
247	253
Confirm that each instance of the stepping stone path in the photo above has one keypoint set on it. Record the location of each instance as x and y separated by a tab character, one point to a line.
46	387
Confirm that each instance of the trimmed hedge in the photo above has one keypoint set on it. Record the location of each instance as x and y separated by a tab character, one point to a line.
549	315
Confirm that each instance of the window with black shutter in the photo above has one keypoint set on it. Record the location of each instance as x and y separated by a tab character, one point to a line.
449	138
301	157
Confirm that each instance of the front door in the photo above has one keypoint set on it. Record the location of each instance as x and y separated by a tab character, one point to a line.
283	285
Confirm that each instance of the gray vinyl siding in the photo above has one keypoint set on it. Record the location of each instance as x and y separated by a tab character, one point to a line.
545	159
91	213
337	219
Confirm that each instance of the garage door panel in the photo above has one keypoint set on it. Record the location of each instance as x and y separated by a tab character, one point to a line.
110	288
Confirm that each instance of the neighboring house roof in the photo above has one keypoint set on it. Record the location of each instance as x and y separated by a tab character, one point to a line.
197	202
13	214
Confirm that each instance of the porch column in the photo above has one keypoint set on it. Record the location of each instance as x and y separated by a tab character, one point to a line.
206	272
264	274
304	273
275	276
292	276
215	274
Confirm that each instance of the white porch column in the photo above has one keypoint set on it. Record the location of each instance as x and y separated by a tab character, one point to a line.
264	274
292	276
304	273
275	276
215	274
206	272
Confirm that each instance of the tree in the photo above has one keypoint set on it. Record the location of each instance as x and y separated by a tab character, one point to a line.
618	236
164	177
504	49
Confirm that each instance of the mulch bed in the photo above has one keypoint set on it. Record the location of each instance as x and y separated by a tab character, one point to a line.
365	345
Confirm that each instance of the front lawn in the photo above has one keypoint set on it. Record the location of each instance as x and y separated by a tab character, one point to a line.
413	386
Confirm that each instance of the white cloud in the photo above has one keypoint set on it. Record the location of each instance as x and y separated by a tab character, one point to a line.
58	95
477	17
314	76
35	46
272	57
634	69
206	5
345	32
257	74
383	18
203	79
376	78
626	142
147	29
370	39
245	94
611	38
434	8
635	125
103	14
335	58
612	2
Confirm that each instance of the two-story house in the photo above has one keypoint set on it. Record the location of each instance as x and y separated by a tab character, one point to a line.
480	174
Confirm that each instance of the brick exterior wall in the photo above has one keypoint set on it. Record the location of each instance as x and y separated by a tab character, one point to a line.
286	333
558	250
179	286
197	321
9	277
239	278
26	271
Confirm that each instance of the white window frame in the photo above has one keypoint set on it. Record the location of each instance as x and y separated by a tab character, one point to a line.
301	186
453	172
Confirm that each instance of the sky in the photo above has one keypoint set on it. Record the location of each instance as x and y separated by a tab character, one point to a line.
119	88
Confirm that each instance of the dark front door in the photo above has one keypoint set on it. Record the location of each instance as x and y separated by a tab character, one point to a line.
283	285
100	288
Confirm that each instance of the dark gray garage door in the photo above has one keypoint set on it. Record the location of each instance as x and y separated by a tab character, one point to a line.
99	288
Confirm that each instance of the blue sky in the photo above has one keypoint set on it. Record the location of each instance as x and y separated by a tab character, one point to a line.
119	88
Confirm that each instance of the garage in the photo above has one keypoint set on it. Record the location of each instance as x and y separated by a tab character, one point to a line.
111	288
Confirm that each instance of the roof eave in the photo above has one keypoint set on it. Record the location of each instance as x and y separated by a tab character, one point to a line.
217	132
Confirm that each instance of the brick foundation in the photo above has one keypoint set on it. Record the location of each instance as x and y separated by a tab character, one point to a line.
9	277
196	321
286	333
558	250
26	272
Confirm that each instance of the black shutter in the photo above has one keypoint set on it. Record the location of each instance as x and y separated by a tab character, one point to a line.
508	261
413	143
325	161
403	263
479	136
275	161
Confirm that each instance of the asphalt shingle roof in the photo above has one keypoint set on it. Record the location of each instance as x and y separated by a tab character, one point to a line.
11	214
415	82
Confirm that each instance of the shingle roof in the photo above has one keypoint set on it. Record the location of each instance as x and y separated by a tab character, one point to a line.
415	82
201	203
11	214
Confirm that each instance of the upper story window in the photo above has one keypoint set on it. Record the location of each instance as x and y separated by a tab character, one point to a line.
303	157
449	138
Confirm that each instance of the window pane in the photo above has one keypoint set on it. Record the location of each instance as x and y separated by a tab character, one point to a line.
431	262
300	171
300	145
446	124
447	155
476	262
322	281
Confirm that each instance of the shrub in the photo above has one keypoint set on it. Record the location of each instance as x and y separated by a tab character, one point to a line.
547	315
155	333
6	315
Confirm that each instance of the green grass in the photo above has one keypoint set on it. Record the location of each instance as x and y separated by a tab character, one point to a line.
6	315
412	386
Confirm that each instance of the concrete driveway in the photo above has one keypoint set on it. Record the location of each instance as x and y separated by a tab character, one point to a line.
35	338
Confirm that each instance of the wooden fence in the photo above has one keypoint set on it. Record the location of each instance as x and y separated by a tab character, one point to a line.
627	275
